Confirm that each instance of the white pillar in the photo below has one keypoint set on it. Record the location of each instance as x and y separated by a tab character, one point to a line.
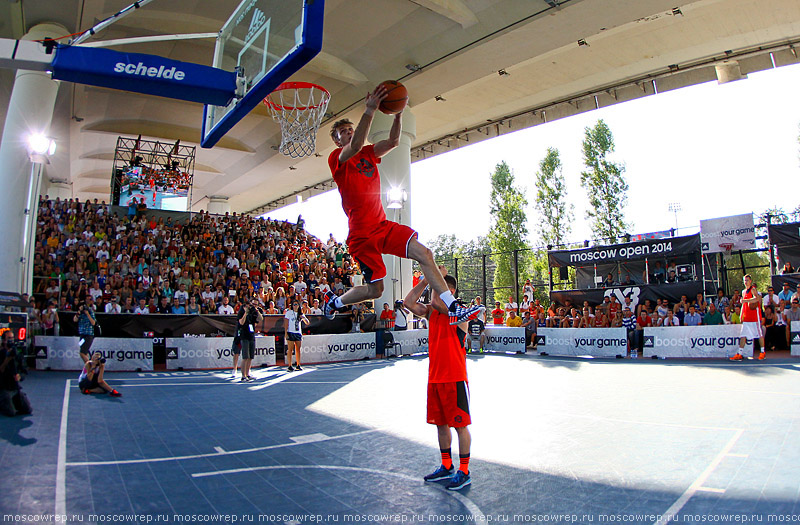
395	170
218	205
30	110
60	190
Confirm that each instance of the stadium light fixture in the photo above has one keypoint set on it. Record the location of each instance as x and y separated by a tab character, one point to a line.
396	197
40	147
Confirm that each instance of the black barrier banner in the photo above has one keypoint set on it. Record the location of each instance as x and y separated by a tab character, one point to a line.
632	251
167	325
638	294
792	278
784	234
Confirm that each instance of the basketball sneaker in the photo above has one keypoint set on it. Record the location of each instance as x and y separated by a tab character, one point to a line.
329	310
737	357
762	356
459	314
459	481
439	474
114	393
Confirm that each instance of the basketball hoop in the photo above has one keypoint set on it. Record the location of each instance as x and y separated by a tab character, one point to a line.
299	107
727	247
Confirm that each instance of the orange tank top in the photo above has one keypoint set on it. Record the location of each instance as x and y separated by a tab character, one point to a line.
447	361
748	315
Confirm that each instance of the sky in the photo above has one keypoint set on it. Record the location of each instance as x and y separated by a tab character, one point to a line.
718	150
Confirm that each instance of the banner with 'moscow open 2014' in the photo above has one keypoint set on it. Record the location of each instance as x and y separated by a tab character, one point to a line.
632	251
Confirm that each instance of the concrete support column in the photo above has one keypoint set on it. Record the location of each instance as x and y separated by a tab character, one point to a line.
30	111
218	205
395	170
60	190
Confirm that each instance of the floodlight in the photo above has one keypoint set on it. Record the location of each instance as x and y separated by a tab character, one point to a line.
395	198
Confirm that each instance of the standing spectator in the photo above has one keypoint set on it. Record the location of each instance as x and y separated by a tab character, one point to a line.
642	322
629	324
720	302
387	316
249	317
498	314
50	319
511	305
12	401
529	324
86	321
293	320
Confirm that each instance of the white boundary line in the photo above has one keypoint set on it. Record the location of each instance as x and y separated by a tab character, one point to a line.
477	513
676	507
215	454
61	469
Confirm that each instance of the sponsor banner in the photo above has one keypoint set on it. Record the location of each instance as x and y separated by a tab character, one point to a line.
504	339
214	352
736	229
141	73
639	294
62	353
337	347
794	338
596	342
719	341
410	342
632	251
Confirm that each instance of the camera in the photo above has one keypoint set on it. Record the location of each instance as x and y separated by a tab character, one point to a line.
102	360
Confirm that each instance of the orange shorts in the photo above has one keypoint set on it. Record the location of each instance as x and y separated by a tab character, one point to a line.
448	404
366	246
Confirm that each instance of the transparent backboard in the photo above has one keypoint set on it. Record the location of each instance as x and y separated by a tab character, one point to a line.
266	41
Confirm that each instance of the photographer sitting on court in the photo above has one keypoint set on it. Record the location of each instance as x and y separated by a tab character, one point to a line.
91	379
12	400
86	321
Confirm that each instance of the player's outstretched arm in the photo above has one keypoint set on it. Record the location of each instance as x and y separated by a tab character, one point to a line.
385	146
372	102
411	302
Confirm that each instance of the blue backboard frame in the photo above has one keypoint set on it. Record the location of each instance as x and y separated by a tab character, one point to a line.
310	45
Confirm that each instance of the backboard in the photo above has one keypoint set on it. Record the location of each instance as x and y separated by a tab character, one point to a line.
266	41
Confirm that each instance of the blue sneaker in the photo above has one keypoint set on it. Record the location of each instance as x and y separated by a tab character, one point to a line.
459	314
328	309
459	481
439	474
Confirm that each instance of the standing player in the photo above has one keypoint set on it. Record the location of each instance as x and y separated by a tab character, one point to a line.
448	392
751	319
355	170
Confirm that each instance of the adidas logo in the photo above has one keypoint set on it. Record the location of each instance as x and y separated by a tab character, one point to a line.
172	353
541	340
649	341
41	353
258	20
796	338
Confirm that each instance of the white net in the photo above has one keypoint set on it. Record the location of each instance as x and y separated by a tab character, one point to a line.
299	107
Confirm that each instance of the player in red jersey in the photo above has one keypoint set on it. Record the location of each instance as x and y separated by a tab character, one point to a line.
448	390
355	170
751	318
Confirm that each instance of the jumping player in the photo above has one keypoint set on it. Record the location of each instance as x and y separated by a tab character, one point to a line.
751	319
355	170
448	391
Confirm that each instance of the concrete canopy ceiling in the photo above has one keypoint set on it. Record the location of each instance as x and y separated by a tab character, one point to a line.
480	68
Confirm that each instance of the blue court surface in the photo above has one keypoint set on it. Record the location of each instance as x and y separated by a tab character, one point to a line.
555	440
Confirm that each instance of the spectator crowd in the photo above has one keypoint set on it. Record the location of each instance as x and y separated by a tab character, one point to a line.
201	265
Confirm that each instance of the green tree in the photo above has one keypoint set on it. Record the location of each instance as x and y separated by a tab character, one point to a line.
551	201
445	248
604	183
508	230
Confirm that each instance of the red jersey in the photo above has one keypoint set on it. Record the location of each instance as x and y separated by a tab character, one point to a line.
359	185
498	315
748	315
447	361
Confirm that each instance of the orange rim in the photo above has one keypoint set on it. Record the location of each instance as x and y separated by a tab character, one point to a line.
295	85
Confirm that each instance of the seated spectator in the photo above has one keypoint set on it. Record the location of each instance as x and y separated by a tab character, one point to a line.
672	276
113	306
601	320
796	295
475	335
177	307
608	281
786	295
616	322
659	274
713	317
671	319
720	302
164	307
513	320
587	319
787	268
627	281
613	307
225	308
681	308
498	314
193	307
790	315
316	310
142	308
770	299
774	334
700	304
693	318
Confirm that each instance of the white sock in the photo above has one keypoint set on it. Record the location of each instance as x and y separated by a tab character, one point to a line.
337	303
447	297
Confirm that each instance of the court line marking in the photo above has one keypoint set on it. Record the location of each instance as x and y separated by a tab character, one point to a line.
676	507
472	508
61	468
220	450
215	454
732	455
709	489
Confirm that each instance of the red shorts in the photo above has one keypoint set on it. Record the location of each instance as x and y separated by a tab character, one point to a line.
448	404
366	246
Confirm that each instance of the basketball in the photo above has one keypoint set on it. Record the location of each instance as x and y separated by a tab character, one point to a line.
397	98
